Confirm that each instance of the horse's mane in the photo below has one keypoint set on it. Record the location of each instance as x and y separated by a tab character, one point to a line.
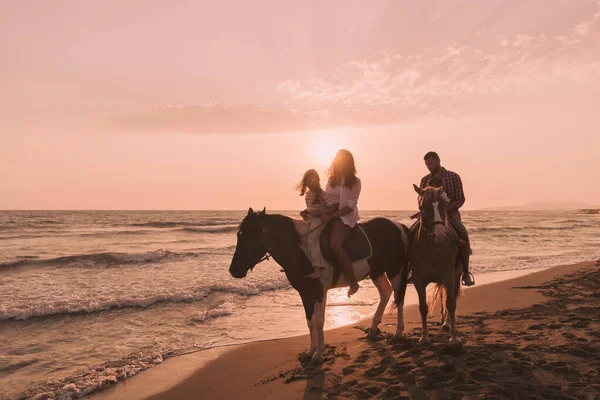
281	221
284	223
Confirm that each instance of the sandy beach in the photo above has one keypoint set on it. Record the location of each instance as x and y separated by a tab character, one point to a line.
535	336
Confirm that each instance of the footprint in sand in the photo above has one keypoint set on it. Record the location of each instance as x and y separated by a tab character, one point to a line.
376	371
361	359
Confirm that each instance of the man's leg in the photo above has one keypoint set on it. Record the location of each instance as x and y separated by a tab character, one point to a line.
465	251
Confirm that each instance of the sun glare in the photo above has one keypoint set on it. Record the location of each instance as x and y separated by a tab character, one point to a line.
326	147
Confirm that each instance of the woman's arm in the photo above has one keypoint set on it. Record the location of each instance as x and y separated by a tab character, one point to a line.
349	197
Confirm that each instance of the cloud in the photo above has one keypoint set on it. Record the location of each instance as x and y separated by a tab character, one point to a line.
390	89
223	118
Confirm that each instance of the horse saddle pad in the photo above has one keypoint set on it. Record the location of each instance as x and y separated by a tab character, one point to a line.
357	245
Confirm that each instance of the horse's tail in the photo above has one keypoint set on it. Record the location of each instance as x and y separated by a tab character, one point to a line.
402	262
438	296
403	276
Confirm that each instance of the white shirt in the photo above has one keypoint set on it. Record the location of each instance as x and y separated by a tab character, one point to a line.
347	198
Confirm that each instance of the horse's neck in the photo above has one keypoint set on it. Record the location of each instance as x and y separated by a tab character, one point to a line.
303	227
287	251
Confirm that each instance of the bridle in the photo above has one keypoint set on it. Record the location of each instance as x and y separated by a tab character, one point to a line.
428	228
264	241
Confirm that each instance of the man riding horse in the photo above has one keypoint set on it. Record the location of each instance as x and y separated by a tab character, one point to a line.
455	197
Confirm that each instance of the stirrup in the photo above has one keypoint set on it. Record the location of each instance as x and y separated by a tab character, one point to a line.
472	280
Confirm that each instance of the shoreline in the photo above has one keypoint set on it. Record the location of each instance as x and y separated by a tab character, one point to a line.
185	374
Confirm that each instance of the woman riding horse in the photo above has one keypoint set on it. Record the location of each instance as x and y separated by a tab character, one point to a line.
343	190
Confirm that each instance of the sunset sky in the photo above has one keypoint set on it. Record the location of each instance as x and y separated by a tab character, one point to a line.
224	104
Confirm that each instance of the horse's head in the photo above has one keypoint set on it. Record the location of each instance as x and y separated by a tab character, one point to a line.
433	212
251	246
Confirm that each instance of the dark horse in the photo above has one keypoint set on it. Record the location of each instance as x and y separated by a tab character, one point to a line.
262	234
434	257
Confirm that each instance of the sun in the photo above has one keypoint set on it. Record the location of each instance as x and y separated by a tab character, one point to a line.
326	147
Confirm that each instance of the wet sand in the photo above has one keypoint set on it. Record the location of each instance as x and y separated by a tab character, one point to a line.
535	336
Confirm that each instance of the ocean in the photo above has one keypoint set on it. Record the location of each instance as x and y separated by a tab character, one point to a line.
91	297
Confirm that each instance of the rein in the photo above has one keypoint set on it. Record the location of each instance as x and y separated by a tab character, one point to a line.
269	244
270	247
312	230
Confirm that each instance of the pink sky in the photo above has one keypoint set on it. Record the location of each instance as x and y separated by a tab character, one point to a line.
223	105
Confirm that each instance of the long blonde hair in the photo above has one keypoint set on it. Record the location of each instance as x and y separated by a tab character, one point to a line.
302	186
347	177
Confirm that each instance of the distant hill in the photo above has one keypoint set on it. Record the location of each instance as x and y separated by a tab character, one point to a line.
546	206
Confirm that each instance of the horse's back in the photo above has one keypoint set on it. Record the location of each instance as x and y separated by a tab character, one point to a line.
388	237
382	227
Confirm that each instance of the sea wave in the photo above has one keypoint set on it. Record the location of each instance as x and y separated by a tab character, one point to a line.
178	224
116	258
212	229
524	262
529	228
108	258
223	309
87	304
93	379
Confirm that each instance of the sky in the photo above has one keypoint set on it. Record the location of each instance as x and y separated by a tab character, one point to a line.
224	105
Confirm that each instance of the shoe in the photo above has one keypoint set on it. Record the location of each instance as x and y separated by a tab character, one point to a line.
468	280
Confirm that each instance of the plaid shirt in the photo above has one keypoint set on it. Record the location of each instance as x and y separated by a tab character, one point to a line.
453	188
313	205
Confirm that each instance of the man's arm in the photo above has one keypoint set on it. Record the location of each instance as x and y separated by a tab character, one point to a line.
455	191
422	186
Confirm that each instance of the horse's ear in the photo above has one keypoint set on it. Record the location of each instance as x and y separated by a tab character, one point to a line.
264	211
250	211
418	190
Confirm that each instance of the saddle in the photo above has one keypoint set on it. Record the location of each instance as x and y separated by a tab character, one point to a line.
357	246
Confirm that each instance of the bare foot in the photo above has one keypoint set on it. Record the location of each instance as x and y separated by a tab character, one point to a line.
353	288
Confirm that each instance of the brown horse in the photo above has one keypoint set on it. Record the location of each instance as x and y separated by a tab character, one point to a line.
263	234
434	258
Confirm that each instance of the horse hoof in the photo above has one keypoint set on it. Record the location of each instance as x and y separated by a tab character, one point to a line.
425	341
317	359
400	340
446	328
373	333
455	342
306	356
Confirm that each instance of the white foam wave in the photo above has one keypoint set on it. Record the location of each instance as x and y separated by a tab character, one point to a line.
103	302
93	379
223	309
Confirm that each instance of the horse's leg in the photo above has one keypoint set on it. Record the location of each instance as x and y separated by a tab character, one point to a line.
423	308
319	325
399	283
444	312
452	295
311	321
313	333
385	291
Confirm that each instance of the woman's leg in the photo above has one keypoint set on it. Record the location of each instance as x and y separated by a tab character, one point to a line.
339	233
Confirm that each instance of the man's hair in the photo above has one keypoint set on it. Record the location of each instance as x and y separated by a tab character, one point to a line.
432	154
